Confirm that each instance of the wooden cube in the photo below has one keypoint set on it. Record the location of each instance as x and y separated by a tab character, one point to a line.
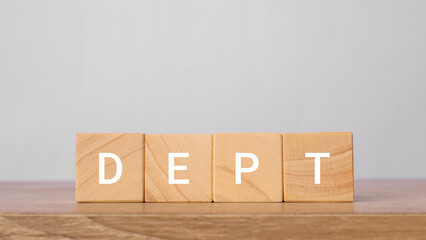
236	176
178	168
318	167
112	152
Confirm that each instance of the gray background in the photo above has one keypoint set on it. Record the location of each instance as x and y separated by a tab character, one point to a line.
191	66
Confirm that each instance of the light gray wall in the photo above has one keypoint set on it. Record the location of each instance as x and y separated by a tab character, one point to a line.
192	66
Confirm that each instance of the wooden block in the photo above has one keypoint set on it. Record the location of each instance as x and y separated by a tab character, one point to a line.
91	148
261	185
194	184
334	179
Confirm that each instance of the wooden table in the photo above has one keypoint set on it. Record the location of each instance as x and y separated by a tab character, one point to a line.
382	209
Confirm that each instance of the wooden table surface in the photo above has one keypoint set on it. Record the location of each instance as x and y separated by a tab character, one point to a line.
382	209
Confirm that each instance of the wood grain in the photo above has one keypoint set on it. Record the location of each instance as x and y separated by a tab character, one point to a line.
336	171
129	148
263	226
199	167
383	209
262	185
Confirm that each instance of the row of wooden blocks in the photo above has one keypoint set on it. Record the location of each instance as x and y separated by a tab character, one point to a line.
223	167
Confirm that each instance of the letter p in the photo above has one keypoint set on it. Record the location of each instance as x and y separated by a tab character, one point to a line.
239	169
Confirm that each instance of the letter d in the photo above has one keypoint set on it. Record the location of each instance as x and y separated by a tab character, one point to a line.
118	173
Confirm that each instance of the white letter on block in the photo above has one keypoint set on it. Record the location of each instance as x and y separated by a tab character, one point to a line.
173	168
118	173
317	157
239	170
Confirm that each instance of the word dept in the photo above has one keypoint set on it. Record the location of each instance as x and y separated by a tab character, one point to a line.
222	167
